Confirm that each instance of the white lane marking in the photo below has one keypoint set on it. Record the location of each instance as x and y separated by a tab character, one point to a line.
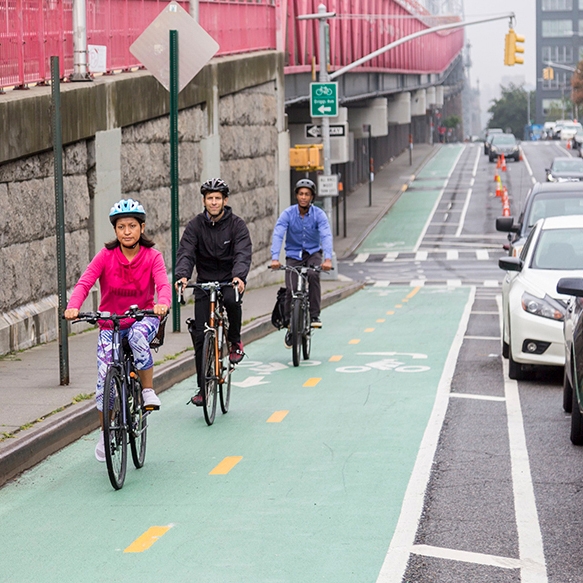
453	283
466	557
530	542
484	312
482	337
417	283
421	256
477	397
491	283
468	196
395	563
452	254
361	257
482	255
390	256
381	283
430	217
528	167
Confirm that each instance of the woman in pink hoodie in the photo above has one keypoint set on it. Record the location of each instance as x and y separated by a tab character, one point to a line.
129	271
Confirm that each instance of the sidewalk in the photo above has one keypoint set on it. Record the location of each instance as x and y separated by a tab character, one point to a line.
38	416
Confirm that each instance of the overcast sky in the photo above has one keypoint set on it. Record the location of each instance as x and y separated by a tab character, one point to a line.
487	42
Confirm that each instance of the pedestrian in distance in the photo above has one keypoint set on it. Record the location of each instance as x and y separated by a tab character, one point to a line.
308	240
218	243
130	272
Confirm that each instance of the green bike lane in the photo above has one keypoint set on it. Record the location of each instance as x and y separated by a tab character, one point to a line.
313	492
402	228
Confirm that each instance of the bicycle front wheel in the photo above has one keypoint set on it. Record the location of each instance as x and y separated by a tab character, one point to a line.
296	331
138	423
209	393
114	429
225	386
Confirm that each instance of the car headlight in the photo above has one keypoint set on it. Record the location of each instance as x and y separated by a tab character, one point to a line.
551	178
546	307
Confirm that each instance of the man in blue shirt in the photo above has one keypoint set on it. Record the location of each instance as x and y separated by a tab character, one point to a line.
308	238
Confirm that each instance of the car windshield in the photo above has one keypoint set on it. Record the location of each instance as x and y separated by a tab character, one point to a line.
503	140
559	249
569	165
551	204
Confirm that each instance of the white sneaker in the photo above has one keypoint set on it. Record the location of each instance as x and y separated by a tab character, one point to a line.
150	398
100	448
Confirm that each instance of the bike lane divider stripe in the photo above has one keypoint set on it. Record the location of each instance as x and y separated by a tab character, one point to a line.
226	465
335	358
369	329
277	417
312	382
146	540
354	341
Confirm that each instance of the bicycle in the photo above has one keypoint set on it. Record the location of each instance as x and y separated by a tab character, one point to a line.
300	322
216	366
124	413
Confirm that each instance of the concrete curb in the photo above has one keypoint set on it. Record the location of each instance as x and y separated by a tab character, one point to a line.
32	446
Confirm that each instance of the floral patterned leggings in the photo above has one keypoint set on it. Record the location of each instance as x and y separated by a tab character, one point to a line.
139	336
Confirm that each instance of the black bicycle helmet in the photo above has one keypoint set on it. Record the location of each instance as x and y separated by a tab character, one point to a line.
127	208
214	185
305	183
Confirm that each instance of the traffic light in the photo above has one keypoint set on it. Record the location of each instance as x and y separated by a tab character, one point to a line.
548	73
512	47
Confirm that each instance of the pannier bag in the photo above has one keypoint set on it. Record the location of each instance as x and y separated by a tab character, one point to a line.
278	318
158	340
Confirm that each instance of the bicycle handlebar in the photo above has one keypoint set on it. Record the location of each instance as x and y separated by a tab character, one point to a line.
298	269
206	286
133	312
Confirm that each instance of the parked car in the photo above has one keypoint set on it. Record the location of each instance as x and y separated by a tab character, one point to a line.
503	144
546	199
490	133
558	127
567	130
565	168
573	374
577	141
532	309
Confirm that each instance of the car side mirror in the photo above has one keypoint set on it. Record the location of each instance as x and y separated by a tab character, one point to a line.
510	263
570	286
506	225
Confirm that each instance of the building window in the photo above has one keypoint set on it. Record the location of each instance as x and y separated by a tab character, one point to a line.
580	53
550	5
562	81
558	54
557	28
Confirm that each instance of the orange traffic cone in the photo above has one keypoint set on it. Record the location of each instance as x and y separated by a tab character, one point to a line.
498	163
503	163
568	144
499	188
506	209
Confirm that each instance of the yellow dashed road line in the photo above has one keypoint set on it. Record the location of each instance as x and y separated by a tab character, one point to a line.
312	382
354	341
277	417
226	465
335	358
145	541
369	329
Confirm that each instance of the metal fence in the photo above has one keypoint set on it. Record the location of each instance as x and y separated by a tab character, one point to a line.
31	31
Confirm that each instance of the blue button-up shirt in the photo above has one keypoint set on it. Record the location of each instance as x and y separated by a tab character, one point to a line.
308	233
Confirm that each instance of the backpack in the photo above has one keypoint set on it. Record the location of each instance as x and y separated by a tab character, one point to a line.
278	318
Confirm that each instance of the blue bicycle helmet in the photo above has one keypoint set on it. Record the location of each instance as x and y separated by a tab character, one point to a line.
127	208
214	185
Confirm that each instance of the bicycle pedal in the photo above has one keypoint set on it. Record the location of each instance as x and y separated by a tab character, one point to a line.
151	407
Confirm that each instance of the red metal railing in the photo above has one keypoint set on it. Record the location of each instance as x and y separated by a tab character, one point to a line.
31	31
363	26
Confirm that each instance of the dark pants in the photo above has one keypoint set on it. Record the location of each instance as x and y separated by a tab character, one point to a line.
201	317
291	280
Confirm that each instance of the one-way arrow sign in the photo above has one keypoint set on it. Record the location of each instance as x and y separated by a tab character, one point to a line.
315	131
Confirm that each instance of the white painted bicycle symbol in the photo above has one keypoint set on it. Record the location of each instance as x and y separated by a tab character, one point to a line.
323	91
386	364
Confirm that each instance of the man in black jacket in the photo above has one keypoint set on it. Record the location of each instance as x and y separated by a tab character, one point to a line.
219	244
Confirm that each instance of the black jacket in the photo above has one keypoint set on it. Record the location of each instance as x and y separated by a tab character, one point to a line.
220	250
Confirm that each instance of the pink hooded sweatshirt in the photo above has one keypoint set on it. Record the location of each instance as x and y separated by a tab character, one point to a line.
124	283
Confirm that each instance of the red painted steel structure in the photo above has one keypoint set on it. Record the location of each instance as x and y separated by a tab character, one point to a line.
363	26
31	31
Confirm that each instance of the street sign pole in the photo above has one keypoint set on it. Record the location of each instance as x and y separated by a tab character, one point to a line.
324	78
175	215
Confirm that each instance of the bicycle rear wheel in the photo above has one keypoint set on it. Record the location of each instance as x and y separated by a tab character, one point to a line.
225	386
138	423
296	331
307	335
209	393
114	429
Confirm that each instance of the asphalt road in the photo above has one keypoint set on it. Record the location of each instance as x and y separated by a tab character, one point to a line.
401	452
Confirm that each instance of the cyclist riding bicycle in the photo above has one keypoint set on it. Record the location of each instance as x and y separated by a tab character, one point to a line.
218	243
308	237
130	272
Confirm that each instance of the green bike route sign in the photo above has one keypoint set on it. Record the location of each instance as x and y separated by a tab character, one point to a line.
324	99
